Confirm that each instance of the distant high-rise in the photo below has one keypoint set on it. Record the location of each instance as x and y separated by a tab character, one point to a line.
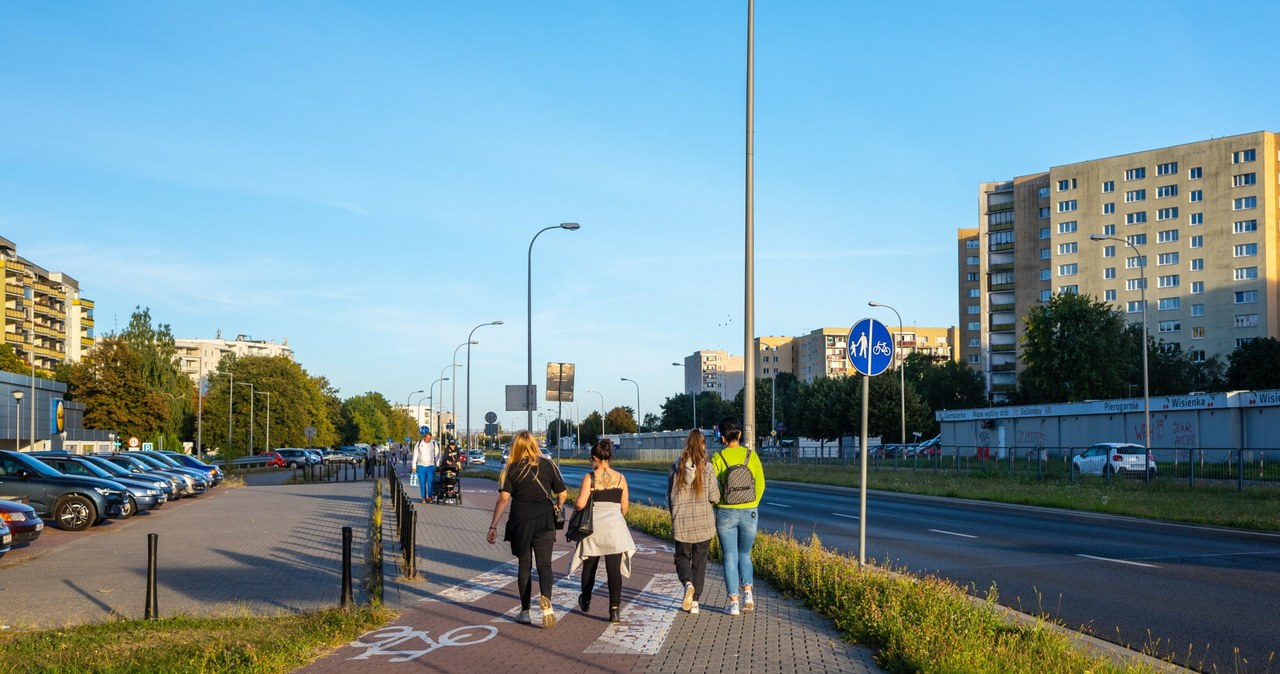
1199	219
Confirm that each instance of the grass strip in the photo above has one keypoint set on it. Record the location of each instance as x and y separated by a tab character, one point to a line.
183	644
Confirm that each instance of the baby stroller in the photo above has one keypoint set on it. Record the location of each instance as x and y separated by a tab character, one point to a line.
447	486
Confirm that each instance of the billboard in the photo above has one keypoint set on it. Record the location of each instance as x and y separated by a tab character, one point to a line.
560	382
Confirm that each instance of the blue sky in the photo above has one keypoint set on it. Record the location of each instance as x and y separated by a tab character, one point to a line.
364	178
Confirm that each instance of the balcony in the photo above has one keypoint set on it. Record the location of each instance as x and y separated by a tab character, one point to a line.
17	314
997	287
14	338
1003	347
996	208
1004	388
1003	327
1001	227
14	289
998	247
1004	367
997	308
1001	266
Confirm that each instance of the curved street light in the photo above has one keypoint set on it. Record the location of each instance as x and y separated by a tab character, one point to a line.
453	407
637	402
1142	289
902	373
601	409
431	396
469	343
528	392
693	395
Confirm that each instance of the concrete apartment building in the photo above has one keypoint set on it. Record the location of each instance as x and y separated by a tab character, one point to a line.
713	371
198	357
46	320
1197	223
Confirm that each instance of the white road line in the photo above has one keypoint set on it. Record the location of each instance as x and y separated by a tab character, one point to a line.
951	533
780	505
852	517
646	620
1118	561
485	584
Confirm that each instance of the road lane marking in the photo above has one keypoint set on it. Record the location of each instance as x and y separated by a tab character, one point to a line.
852	517
951	533
471	591
1118	561
646	620
780	505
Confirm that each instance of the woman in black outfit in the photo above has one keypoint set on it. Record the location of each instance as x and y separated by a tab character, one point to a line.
530	485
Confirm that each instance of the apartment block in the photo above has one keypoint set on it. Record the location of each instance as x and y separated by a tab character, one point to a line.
774	355
717	372
1183	237
46	321
198	357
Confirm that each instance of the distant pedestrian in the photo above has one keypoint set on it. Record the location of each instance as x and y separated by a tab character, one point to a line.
370	456
425	456
610	538
741	479
534	489
692	492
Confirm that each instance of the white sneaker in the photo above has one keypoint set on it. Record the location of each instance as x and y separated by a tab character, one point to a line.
694	608
748	601
732	608
688	597
523	618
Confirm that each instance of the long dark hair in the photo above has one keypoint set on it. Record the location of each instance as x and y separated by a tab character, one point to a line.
695	452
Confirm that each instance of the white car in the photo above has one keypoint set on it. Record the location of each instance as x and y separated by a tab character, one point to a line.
475	457
1114	459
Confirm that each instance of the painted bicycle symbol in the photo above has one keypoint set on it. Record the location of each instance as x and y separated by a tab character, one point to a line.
881	349
397	641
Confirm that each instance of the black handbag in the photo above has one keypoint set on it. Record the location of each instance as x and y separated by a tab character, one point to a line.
555	506
583	521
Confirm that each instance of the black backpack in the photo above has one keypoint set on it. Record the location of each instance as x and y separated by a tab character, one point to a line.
739	483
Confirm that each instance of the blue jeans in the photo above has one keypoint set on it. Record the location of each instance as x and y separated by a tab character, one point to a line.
426	475
737	530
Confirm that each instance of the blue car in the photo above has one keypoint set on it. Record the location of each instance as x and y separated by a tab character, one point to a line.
214	472
74	503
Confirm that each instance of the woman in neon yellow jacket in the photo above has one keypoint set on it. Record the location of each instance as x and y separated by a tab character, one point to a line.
741	479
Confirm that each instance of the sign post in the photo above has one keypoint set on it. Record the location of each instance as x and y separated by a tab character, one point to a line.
870	351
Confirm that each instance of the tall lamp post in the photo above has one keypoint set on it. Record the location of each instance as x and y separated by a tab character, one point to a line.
638	417
469	343
902	373
408	407
453	407
1146	379
528	392
431	395
268	395
250	385
17	420
601	409
693	395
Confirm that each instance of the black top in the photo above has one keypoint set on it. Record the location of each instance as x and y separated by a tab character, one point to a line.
611	495
533	488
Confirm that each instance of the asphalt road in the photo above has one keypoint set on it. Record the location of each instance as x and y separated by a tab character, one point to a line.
1195	593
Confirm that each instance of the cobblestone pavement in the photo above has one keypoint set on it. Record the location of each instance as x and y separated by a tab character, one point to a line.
460	615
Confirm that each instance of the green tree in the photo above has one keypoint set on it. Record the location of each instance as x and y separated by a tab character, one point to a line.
1255	365
366	418
10	362
591	429
827	409
108	381
1075	348
787	386
945	385
296	399
620	420
161	372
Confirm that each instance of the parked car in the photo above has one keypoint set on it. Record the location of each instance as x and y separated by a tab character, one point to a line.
932	447
1114	458
338	457
130	461
163	464
74	503
170	485
188	461
22	521
273	459
476	457
296	458
142	493
6	538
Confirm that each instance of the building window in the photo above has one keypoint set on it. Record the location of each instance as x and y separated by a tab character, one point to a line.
1108	230
971	276
1167	169
1197	218
1109	251
975	325
1169	326
1109	272
1197	355
1109	295
1167	281
1133	307
1044	296
1197	310
1197	332
975	342
1245	250
1242	179
1069	290
1166	236
1001	278
1135	262
1197	241
1108	186
1167	213
1134	284
1064	185
972	260
1000	218
1135	173
1244	203
1197	264
1045	274
974	309
1135	195
1166	191
1197	287
1243	156
1044	233
1246	273
1246	296
1136	239
1068	269
975	359
1135	218
1196	196
1067	206
1001	237
1246	320
1044	212
1109	208
971	244
1244	226
1169	304
1067	227
1044	254
1043	193
1195	173
1166	259
975	292
1068	248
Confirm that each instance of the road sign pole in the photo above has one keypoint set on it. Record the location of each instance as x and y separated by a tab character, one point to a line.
862	491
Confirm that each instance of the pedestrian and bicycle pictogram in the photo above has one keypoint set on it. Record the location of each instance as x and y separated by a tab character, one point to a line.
870	347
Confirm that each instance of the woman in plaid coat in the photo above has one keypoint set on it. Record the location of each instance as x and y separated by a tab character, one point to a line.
692	491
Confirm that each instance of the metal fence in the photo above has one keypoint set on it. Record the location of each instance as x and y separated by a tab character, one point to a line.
1204	466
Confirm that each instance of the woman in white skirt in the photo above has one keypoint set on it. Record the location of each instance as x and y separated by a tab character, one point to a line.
610	538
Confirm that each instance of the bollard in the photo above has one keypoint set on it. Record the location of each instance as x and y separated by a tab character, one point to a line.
410	550
152	611
346	567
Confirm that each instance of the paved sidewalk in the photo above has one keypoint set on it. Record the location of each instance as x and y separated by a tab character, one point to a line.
261	549
461	615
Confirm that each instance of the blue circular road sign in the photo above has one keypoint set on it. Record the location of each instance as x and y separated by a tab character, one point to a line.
870	348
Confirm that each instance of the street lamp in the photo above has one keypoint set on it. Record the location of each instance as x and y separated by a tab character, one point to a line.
601	409
693	395
268	395
469	343
1142	289
528	392
637	402
453	408
431	395
17	419
240	383
902	372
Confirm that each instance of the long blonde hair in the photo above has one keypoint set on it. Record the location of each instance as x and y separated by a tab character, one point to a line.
695	452
523	449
